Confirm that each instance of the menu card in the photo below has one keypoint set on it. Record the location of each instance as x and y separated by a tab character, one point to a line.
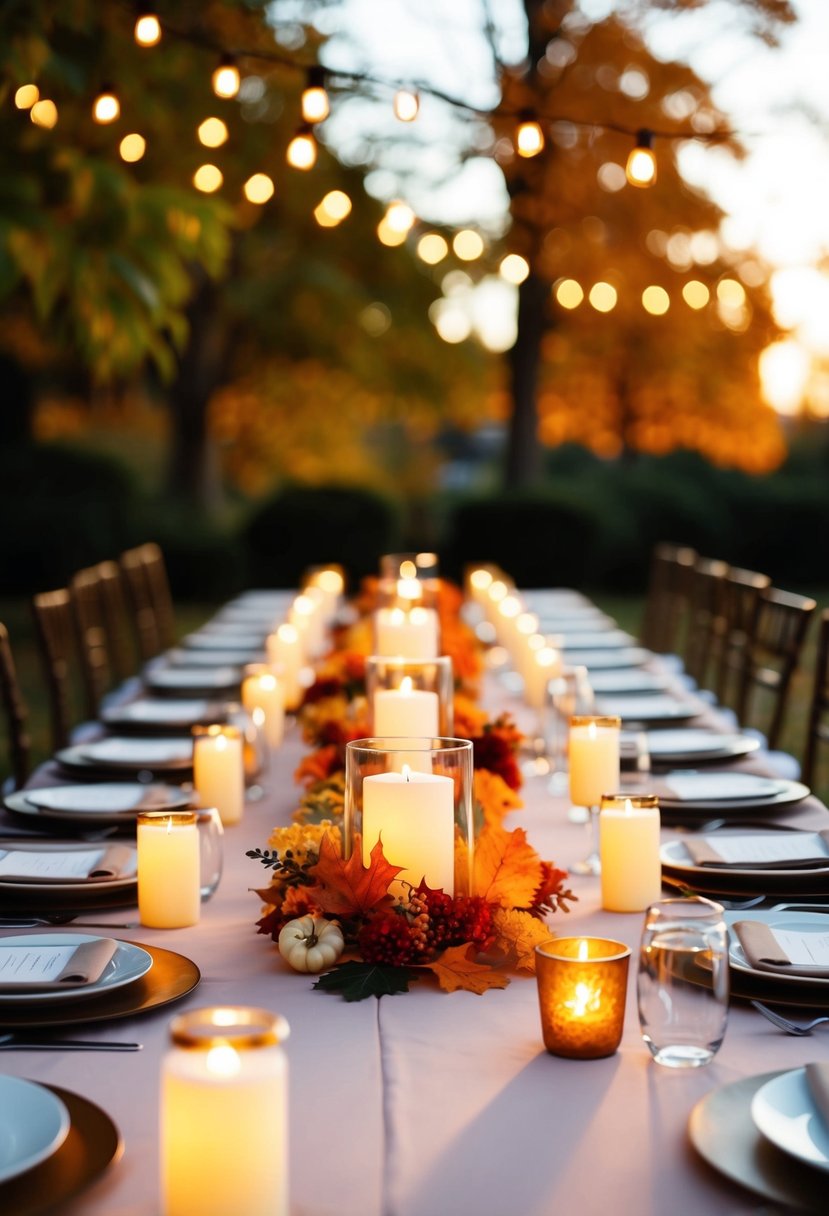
35	967
53	866
788	951
769	850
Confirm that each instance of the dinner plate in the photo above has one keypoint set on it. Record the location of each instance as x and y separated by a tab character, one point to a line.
785	792
606	660
129	963
784	1111
693	745
104	804
224	639
206	660
33	1125
171	977
724	1134
631	680
92	1144
193	681
596	639
796	922
130	755
648	708
68	888
164	714
732	880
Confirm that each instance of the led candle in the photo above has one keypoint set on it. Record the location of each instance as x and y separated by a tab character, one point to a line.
219	770
414	815
406	711
169	869
594	759
582	985
629	852
224	1115
413	633
285	652
262	689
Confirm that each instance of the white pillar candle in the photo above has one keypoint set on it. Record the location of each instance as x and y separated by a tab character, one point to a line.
594	759
479	580
629	851
169	872
413	634
304	614
406	711
509	610
330	582
219	770
263	689
414	815
224	1119
285	652
541	666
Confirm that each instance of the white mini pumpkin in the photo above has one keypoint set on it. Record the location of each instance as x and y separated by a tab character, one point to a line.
311	943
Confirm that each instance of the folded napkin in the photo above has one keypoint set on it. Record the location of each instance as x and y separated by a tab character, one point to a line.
53	866
707	787
33	967
770	851
783	951
817	1082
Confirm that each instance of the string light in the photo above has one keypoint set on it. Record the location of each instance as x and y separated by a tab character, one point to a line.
132	147
106	108
26	96
147	30
529	138
259	188
226	78
641	165
44	113
514	268
603	297
468	245
406	105
302	150
212	132
208	179
399	217
388	235
695	294
432	248
332	209
569	293
315	105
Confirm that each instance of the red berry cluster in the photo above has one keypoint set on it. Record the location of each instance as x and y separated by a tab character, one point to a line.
466	918
429	922
385	938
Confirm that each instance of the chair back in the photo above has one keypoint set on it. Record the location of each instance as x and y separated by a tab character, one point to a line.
158	585
772	658
667	598
705	616
120	641
817	731
735	628
56	638
93	649
17	715
142	611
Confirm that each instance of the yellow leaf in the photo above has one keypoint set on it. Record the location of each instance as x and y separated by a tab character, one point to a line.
457	969
495	797
507	870
518	933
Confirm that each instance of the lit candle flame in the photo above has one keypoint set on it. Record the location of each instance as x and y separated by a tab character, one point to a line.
406	685
583	950
406	772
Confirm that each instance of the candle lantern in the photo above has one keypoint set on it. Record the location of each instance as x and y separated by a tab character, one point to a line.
415	795
223	1114
408	576
631	867
410	696
582	986
169	869
409	632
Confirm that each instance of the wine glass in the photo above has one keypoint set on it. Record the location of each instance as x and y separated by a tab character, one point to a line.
568	693
594	770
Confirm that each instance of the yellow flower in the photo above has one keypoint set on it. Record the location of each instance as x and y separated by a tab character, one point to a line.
303	839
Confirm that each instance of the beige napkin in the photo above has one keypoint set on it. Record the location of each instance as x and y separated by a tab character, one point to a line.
23	969
703	851
765	953
117	860
817	1081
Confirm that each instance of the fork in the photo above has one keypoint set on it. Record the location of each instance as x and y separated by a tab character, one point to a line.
34	922
795	1028
14	1042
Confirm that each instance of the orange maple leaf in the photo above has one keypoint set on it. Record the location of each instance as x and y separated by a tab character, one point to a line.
348	888
457	969
518	933
494	796
507	870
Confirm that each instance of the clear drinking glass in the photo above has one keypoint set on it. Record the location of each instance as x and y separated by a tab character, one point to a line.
682	984
211	850
569	693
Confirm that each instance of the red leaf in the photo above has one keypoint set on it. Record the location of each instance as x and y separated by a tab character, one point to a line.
348	888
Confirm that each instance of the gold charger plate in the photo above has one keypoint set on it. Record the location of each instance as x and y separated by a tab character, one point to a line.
171	977
723	1133
93	1143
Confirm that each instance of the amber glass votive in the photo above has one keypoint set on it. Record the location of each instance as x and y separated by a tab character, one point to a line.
582	985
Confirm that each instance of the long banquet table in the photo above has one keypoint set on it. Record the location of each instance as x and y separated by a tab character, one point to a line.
429	1103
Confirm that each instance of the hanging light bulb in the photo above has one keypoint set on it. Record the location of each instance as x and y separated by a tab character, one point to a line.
315	105
641	167
106	107
147	29
302	150
226	79
406	105
529	138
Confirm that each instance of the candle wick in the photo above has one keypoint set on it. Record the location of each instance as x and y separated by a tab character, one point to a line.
406	772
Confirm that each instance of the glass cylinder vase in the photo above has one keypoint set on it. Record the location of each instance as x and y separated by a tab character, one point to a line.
415	796
403	692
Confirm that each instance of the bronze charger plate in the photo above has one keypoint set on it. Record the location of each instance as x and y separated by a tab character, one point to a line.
91	1146
171	977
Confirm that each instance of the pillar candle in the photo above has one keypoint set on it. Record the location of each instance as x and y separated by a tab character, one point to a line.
414	815
169	869
262	689
219	770
285	652
406	711
594	759
541	666
306	617
629	851
224	1115
413	634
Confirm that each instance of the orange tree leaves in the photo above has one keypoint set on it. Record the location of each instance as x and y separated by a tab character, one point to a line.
457	969
507	870
517	934
348	888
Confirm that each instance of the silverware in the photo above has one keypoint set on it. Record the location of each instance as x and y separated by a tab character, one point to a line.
34	922
790	1027
11	1042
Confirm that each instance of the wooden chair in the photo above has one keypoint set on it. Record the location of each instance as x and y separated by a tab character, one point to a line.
93	647
667	598
734	627
817	730
158	585
142	610
56	637
120	639
703	616
17	715
772	657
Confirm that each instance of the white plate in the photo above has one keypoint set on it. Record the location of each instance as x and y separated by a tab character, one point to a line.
112	798
205	660
796	922
786	792
33	1124
78	886
610	659
592	639
627	680
647	708
785	1112
162	712
223	639
674	855
209	678
126	966
674	746
141	753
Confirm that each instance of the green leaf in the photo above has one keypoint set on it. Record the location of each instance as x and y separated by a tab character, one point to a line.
356	981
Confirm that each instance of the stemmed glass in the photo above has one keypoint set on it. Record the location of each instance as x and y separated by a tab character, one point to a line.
594	770
568	693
